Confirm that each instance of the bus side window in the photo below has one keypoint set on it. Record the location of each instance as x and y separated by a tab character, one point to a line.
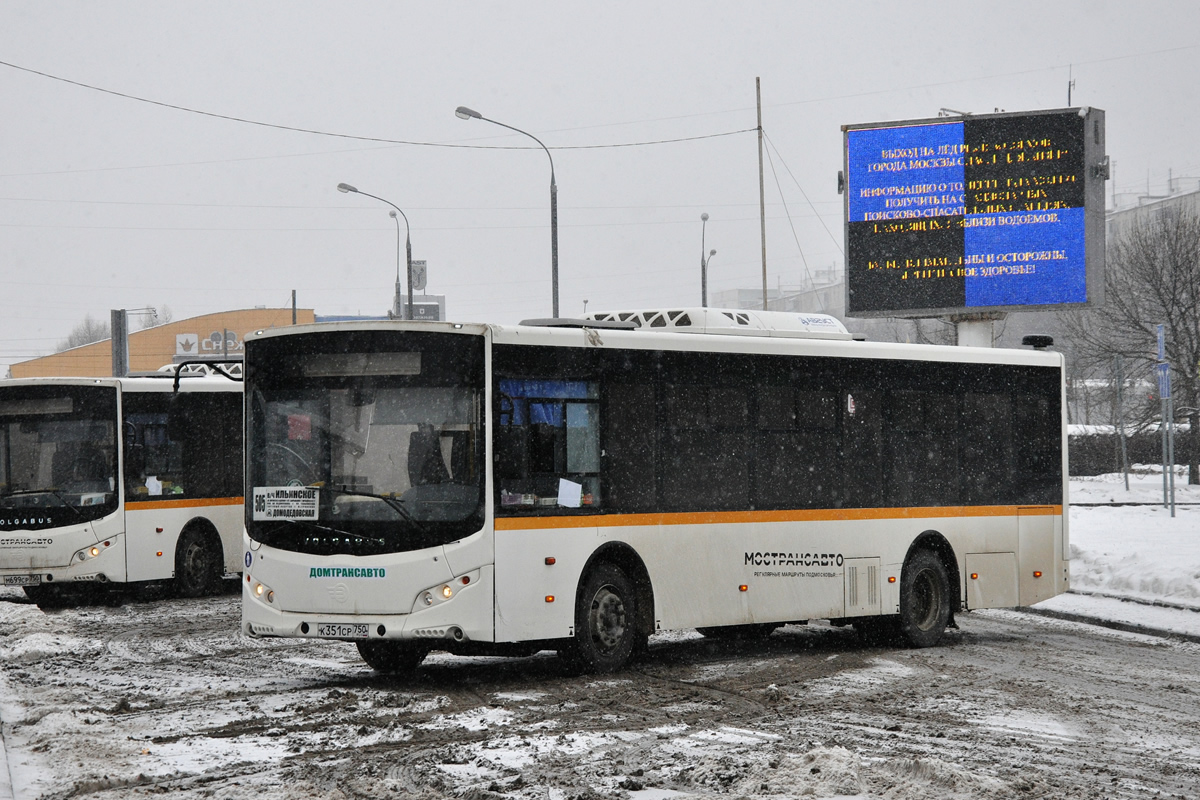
863	447
547	440
631	447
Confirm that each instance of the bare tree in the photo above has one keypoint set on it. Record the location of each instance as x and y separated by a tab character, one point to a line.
85	332
155	316
1152	278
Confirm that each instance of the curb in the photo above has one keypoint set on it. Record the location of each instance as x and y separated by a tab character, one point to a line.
1127	627
1145	601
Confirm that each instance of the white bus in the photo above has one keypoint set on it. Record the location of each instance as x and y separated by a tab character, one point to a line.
503	489
107	481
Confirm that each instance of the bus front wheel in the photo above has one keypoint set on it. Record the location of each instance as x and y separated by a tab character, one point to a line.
198	563
924	600
389	656
606	630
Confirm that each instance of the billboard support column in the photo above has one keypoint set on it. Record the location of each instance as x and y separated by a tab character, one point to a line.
976	330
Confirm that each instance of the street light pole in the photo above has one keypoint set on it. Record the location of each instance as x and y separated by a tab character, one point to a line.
704	279
396	218
462	112
704	262
345	187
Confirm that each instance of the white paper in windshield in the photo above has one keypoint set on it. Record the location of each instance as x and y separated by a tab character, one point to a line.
285	502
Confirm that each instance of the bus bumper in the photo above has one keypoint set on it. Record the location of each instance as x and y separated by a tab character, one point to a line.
62	560
464	615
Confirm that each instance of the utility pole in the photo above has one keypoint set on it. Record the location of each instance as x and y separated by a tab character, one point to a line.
119	325
762	205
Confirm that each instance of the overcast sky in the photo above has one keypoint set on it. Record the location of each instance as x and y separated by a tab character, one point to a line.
107	201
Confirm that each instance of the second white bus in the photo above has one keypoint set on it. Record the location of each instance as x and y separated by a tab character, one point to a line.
112	481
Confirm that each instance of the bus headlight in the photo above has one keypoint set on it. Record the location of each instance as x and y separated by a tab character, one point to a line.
92	552
437	595
260	590
444	591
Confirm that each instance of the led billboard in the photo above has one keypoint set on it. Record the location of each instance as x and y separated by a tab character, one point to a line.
975	213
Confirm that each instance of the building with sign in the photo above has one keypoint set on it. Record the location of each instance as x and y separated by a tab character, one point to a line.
207	337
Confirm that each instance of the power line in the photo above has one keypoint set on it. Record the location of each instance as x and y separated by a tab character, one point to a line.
816	213
311	229
795	236
344	207
315	132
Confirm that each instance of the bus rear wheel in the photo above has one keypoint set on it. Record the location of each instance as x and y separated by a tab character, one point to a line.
924	600
389	656
198	563
606	630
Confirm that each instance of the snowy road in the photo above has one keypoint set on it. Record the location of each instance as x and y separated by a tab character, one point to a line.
147	698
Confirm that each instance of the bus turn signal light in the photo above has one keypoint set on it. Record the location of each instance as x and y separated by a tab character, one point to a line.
743	588
974	576
891	578
550	561
549	598
1037	573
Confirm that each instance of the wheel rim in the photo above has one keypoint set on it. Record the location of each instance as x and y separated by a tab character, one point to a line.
195	564
927	597
607	619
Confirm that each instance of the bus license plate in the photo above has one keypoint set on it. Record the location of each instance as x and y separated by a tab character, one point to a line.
356	630
22	580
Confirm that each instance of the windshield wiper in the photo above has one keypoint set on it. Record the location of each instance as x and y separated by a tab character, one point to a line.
54	492
310	524
394	502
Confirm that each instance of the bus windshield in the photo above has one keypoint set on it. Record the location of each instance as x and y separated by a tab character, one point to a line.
374	449
57	455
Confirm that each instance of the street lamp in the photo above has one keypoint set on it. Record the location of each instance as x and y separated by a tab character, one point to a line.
462	112
345	187
704	262
396	218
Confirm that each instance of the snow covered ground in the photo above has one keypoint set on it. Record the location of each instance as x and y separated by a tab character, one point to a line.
227	716
1134	564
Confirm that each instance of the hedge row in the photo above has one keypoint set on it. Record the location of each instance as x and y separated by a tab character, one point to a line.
1097	454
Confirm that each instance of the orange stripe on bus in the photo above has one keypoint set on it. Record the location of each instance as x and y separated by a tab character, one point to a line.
793	515
150	505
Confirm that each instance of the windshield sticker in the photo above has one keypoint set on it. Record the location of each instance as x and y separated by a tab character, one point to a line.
570	493
299	428
284	502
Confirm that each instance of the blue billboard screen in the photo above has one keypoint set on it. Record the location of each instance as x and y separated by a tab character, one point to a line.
970	214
